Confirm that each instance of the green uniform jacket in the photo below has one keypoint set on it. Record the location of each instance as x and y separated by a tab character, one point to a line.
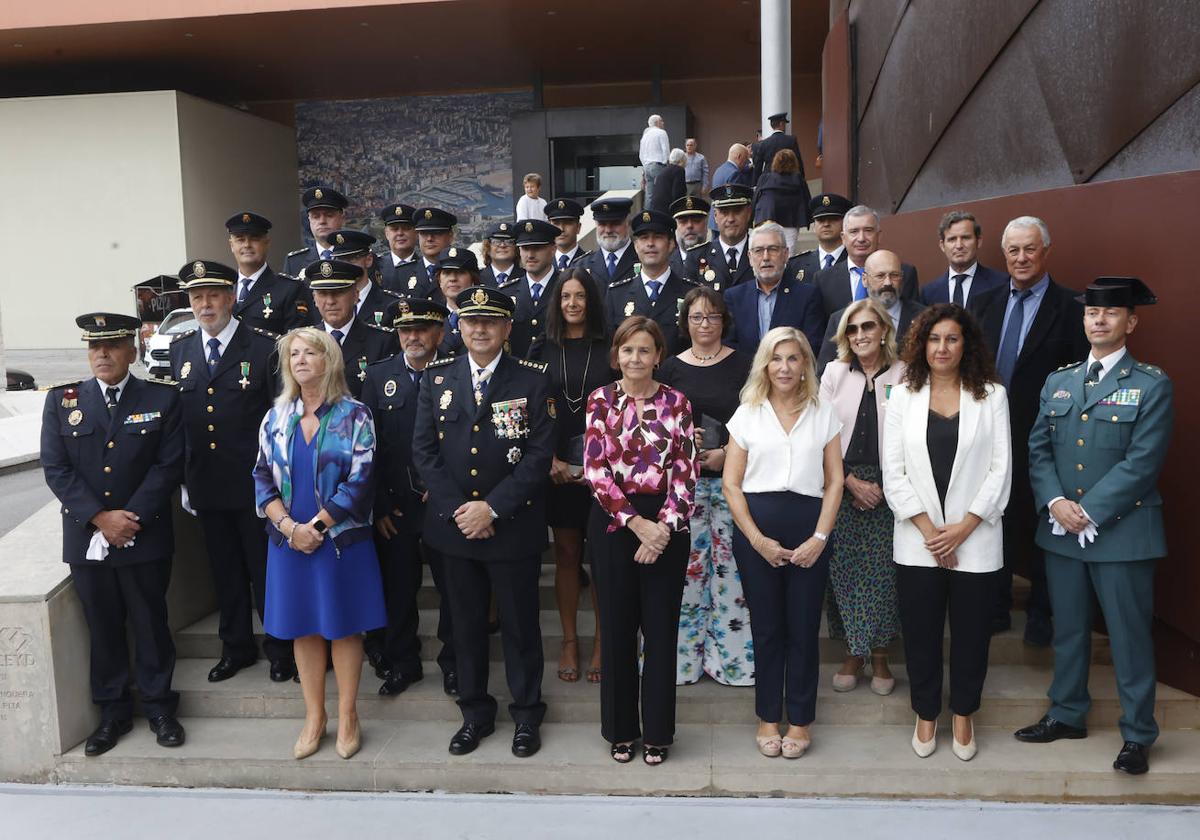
1105	450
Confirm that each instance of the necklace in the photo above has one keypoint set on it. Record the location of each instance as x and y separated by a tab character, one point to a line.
575	403
700	358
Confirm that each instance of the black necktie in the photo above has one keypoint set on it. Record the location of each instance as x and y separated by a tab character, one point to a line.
959	279
338	335
731	259
1093	375
415	376
111	393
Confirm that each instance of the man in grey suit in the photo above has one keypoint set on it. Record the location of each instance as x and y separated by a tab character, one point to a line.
883	273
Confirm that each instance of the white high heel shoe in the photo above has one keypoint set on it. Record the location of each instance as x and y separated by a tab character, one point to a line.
924	749
966	751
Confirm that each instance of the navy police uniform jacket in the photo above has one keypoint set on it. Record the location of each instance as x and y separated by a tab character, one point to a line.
595	263
296	260
498	452
376	305
706	264
362	344
529	319
628	297
409	279
391	394
804	266
276	303
222	410
129	460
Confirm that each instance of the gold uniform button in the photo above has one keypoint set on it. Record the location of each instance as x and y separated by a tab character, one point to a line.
474	451
212	390
1078	491
74	434
1053	412
211	427
1138	503
475	494
111	444
1079	442
1083	417
533	322
441	435
108	469
211	409
107	493
442	418
474	472
143	431
1115	418
474	428
212	445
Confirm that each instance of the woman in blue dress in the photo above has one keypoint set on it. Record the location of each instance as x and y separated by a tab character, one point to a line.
313	482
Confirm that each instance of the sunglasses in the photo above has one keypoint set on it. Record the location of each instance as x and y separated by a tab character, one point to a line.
866	326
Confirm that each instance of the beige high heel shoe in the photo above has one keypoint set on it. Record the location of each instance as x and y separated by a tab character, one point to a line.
924	748
303	748
965	752
347	749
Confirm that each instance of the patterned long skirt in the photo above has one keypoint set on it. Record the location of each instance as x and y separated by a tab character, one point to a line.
861	602
714	622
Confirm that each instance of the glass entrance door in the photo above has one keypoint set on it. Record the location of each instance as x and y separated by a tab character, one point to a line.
585	167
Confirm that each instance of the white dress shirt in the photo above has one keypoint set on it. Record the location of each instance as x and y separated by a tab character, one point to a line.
120	386
620	252
253	278
489	369
344	329
543	282
739	247
835	253
655	147
778	460
966	283
397	261
224	336
362	296
660	279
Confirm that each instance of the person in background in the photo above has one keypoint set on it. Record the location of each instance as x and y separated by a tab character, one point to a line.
500	255
696	169
565	214
669	186
783	481
714	624
947	468
531	205
574	349
862	608
653	151
323	579
781	196
959	238
640	461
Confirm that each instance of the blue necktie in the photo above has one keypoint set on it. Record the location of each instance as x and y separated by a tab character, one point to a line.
562	261
326	254
500	278
860	291
244	291
429	270
828	261
654	285
214	351
612	265
481	385
338	335
453	322
535	292
1006	359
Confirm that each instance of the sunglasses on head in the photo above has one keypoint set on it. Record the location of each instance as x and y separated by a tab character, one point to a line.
866	326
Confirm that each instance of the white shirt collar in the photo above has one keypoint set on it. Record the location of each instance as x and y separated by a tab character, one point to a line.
490	368
739	247
397	262
662	278
835	253
1109	362
620	252
570	255
120	388
362	296
253	278
970	272
224	336
344	329
543	281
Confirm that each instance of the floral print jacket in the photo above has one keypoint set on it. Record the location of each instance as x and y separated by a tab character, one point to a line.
344	453
653	454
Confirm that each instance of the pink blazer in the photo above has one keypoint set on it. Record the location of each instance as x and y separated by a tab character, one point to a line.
843	388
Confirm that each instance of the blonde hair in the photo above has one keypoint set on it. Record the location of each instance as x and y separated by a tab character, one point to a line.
333	381
887	352
757	389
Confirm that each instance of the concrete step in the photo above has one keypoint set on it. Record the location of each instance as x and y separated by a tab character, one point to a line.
1014	696
200	641
427	595
874	761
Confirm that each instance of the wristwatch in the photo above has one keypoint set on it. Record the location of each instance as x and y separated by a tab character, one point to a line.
492	511
319	526
820	536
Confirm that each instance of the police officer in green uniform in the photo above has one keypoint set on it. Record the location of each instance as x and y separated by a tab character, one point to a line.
1095	454
483	442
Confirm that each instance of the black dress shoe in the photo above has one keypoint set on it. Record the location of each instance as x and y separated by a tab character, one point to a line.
1134	758
1048	729
169	731
282	670
106	736
526	740
467	738
1039	631
450	683
379	664
398	683
227	667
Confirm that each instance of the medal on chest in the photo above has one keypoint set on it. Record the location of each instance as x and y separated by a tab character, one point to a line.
362	368
511	418
245	380
70	399
446	397
185	370
266	308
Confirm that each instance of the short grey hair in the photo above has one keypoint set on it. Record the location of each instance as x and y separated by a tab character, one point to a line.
677	156
654	120
768	227
1027	222
864	210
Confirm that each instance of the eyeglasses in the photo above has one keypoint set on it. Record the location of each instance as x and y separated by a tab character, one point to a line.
697	318
759	250
886	275
865	326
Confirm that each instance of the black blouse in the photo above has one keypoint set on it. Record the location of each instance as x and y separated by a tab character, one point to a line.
941	438
570	387
713	390
863	449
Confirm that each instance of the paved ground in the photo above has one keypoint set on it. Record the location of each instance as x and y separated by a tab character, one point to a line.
50	367
24	492
32	813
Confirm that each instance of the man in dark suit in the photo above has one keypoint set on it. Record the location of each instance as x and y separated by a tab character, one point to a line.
483	443
763	152
827	210
112	453
435	233
532	289
773	299
845	282
391	393
227	375
691	230
1034	326
564	214
614	256
273	302
655	292
354	246
401	268
735	170
883	272
334	284
723	262
326	210
502	247
671	183
959	237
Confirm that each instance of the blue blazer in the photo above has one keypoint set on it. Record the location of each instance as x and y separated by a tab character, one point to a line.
939	290
799	305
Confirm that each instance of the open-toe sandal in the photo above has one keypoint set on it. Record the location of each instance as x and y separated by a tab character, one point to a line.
653	756
567	674
621	753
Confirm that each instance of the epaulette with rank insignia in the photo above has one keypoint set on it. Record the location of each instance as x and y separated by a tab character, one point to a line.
187	334
291	277
274	336
162	380
616	283
540	367
511	282
1069	366
698	245
396	295
58	385
378	327
1153	370
298	251
439	362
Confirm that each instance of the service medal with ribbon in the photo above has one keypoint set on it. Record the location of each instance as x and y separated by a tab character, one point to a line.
70	398
266	306
362	368
245	380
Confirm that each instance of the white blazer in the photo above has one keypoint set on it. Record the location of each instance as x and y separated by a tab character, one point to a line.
979	481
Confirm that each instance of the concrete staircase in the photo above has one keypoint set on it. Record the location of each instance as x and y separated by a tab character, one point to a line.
240	734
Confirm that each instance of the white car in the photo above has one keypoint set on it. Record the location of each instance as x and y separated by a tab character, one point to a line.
157	358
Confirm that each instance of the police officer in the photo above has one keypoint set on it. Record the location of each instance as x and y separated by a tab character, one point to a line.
435	233
354	246
564	214
614	256
391	394
112	453
1095	454
531	291
334	289
326	211
401	269
691	230
227	375
483	443
827	211
724	262
656	291
273	302
457	269
502	251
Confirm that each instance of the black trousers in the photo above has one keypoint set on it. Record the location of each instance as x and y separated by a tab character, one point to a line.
785	608
1019	528
111	596
926	595
469	585
632	597
237	555
399	643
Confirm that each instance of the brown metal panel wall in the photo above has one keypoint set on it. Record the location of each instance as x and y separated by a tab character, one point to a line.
873	23
837	152
1168	144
